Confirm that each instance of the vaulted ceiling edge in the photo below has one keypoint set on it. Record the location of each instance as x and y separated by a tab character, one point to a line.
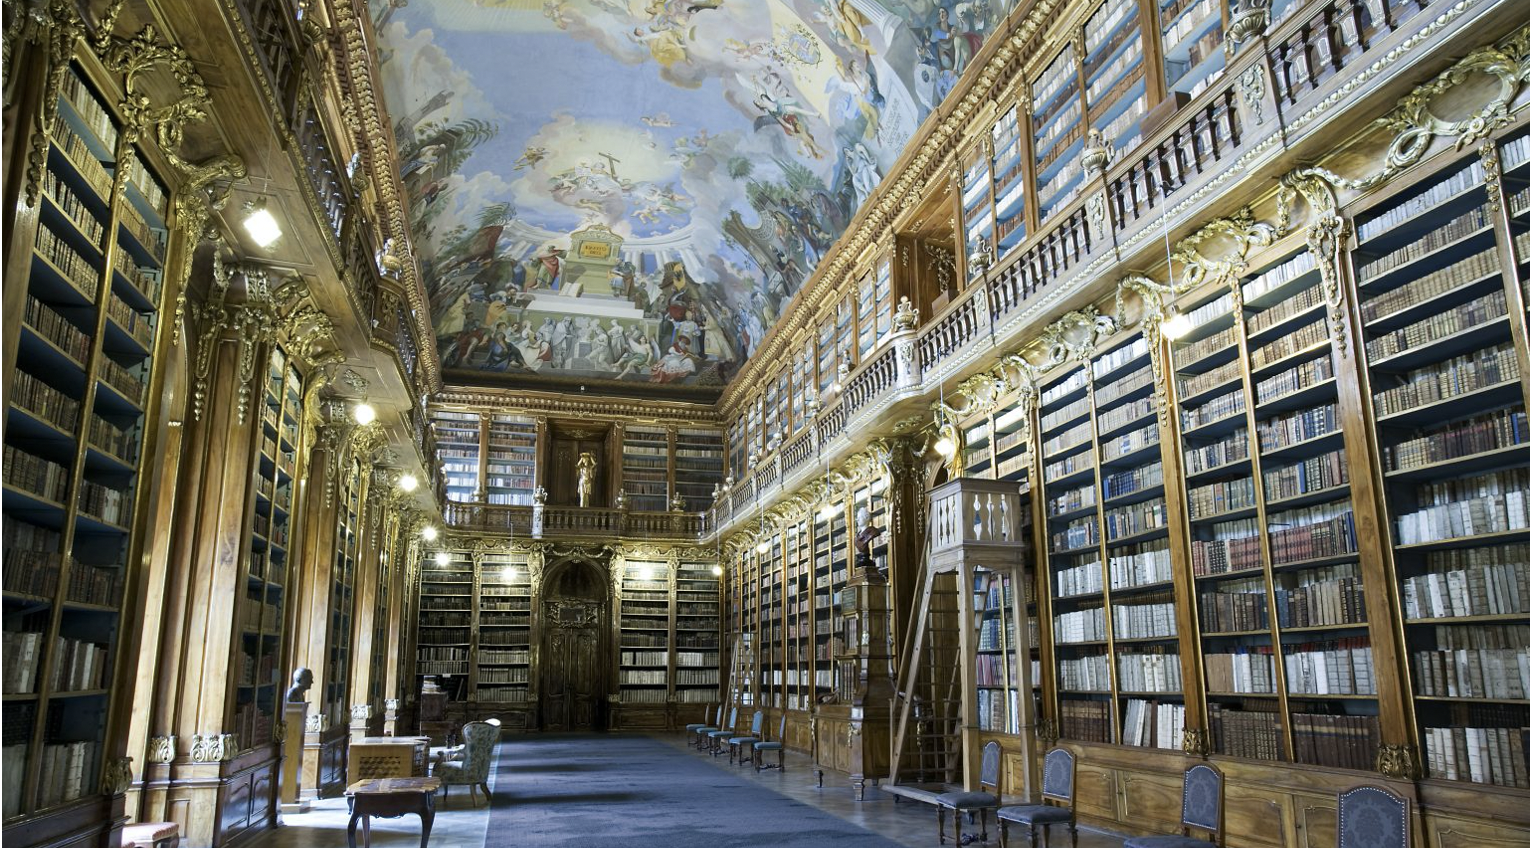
639	189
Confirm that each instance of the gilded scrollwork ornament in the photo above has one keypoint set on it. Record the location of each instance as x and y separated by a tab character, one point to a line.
162	749
1400	762
1194	742
116	775
1489	156
56	27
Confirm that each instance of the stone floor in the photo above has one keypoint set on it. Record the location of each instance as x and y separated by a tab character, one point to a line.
459	825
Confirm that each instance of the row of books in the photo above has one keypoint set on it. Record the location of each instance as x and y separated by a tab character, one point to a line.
999	710
503	675
431	618
1481	310
1471	581
1144	621
45	402
1466	673
78	665
1290	343
1065	414
110	505
1430	285
1126	443
1235	546
1196	384
76	268
1278	276
1300	426
1235	607
1479	434
1119	357
70	204
1133	480
1338	741
637	677
511	695
1221	497
1088	673
90	584
1140	565
1456	376
1082	579
696	677
1315	474
995	669
1215	409
1492	755
118	442
1295	379
1123	386
1152	724
1131	520
1086	721
1470	176
1149	672
91	112
429	653
522	655
1337	667
1491	503
1323	596
31	572
1231	448
1247	670
128	381
1304	300
55	328
1251	733
47	480
1077	534
68	772
1325	530
1087	625
1072	500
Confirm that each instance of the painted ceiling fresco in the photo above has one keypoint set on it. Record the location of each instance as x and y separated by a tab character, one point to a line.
635	189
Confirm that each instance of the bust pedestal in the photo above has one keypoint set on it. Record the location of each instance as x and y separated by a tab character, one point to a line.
296	715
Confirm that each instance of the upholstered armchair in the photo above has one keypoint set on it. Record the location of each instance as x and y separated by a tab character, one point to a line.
472	770
455	753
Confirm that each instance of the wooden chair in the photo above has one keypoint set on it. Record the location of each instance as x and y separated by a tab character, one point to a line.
779	745
1201	811
701	734
707	720
1372	817
717	737
737	744
980	802
1058	806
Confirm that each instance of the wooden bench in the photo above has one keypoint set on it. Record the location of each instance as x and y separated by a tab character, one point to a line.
390	798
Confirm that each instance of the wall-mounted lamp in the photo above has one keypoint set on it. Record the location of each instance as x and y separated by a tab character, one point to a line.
1175	325
508	574
442	558
717	571
827	512
364	414
407	483
261	224
945	446
428	533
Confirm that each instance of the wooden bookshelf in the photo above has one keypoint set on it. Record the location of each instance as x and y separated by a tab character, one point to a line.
645	468
502	633
74	442
457	438
510	460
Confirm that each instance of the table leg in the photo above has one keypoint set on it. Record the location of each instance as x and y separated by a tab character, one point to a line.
366	831
351	830
427	816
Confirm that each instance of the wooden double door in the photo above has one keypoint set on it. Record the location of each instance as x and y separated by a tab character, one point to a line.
574	672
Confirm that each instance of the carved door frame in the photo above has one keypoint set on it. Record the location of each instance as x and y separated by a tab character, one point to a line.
559	614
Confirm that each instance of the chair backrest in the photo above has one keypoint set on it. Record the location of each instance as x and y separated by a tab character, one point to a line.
1202	799
989	767
710	714
757	721
1373	817
782	729
733	716
1059	776
479	740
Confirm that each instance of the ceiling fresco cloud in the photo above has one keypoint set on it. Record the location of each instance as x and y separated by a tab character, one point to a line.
635	189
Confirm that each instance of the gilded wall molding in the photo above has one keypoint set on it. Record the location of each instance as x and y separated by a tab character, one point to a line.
576	406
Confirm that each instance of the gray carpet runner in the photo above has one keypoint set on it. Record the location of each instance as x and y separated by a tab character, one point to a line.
620	791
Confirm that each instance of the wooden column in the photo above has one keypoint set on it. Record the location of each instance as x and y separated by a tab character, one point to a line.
313	560
395	527
193	753
369	576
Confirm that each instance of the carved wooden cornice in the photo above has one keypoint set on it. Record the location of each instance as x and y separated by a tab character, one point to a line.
935	142
356	74
575	406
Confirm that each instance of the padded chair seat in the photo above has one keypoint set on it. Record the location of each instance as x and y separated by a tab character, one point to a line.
1030	814
740	740
702	730
768	746
967	800
721	734
1175	840
150	833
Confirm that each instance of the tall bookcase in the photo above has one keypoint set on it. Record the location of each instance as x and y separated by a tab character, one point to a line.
73	446
510	460
1448	394
698	466
697	654
456	435
444	641
644	621
1115	73
771	579
645	468
348	532
502	635
1057	132
1010	192
799	635
265	602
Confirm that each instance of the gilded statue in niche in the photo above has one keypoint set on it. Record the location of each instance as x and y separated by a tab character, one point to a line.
585	482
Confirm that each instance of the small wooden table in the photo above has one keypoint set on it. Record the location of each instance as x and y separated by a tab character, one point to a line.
390	798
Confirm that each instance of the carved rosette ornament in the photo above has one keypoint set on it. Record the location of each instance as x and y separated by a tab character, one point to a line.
162	749
116	775
1401	762
1194	742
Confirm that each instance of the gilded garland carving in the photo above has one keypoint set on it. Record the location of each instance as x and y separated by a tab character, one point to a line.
56	27
1400	762
1489	156
1325	233
116	775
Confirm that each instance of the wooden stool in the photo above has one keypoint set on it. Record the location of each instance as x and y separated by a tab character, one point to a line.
390	798
151	834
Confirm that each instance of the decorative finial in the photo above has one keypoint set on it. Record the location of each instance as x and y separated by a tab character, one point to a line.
906	316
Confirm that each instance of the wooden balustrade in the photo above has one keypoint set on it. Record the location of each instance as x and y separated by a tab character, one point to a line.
571	521
797	451
1206	137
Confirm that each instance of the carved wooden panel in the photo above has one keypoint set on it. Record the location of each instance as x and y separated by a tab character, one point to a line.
1316	822
572	671
1258	815
1151	803
1095	791
1443	832
235	812
263	788
1013	774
